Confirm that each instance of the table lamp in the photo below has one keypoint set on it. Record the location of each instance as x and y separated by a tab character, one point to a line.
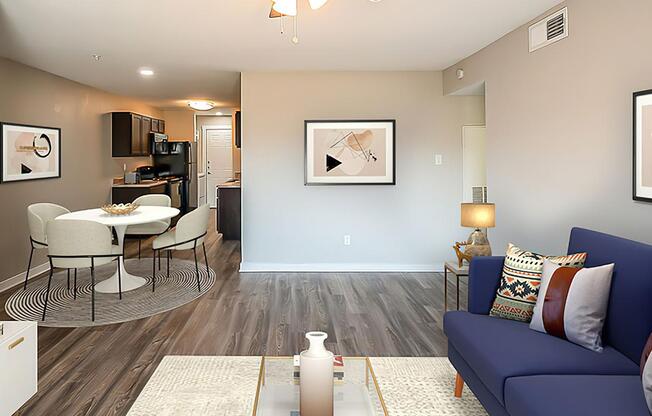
476	216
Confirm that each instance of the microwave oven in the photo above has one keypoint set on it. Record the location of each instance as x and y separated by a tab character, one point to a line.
160	144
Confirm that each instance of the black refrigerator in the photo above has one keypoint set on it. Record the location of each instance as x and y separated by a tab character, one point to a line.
177	161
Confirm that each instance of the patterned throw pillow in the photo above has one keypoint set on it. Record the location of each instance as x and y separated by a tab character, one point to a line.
519	285
572	303
646	373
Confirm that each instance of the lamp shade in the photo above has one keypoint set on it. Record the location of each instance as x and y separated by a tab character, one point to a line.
479	215
286	7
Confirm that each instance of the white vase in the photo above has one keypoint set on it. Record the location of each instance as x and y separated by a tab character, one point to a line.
316	375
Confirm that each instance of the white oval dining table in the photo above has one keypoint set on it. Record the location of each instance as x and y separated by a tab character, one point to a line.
142	215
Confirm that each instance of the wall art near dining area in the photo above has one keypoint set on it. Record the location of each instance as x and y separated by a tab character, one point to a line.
643	146
360	152
29	152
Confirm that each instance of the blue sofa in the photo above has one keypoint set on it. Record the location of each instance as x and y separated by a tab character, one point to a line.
520	372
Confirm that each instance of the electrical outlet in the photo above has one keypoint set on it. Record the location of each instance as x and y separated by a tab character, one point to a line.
439	159
347	240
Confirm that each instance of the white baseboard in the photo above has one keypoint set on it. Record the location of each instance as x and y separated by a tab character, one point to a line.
20	277
254	267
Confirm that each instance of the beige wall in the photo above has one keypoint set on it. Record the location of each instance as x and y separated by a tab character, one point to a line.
559	126
179	124
410	226
30	96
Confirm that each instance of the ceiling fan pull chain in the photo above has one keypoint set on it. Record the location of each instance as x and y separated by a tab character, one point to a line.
282	19
295	38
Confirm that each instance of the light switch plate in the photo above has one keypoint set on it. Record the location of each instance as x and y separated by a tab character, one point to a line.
439	159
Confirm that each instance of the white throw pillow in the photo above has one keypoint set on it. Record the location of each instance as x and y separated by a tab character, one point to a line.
572	303
647	383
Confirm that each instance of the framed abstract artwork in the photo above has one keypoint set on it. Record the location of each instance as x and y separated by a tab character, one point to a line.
359	152
643	146
29	152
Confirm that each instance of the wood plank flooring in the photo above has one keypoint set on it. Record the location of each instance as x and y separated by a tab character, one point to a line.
101	370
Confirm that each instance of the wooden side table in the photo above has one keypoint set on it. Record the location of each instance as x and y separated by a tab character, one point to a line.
452	267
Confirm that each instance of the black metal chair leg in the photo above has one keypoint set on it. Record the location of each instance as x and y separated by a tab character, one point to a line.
138	249
168	263
194	250
75	290
92	289
159	260
68	272
119	280
154	272
47	292
29	265
208	270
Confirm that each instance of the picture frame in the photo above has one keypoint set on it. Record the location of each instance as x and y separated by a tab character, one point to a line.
642	146
350	152
29	152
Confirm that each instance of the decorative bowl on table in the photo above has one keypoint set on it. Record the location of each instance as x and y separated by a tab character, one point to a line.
120	209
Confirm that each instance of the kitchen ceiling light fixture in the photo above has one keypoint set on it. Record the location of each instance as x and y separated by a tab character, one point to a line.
283	8
146	72
201	105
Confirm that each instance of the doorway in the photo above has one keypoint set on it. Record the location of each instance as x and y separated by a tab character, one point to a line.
474	175
219	158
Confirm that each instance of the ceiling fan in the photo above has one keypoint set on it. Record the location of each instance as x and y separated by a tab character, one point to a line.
282	8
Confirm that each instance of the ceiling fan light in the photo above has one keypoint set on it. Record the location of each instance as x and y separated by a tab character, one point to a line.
286	7
317	4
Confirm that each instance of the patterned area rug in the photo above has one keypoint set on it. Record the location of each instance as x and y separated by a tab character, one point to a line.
226	386
65	311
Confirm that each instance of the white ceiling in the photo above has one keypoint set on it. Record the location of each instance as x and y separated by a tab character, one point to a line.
199	47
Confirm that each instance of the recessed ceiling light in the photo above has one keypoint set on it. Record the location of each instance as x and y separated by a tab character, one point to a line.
219	113
96	57
146	72
201	105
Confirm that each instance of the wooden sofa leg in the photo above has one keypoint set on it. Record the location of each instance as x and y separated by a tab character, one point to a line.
459	385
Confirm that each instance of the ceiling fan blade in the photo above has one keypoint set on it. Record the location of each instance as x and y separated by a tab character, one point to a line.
273	13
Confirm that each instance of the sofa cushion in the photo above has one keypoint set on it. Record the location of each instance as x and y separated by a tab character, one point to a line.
575	395
497	349
629	315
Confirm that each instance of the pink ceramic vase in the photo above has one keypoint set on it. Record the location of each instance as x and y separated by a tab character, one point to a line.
316	377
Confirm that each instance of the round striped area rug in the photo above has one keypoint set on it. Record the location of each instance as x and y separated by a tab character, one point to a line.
65	311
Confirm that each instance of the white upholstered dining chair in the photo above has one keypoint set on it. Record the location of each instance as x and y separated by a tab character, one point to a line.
187	235
141	231
76	244
38	216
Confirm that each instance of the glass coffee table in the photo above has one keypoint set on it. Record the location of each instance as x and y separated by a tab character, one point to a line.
356	389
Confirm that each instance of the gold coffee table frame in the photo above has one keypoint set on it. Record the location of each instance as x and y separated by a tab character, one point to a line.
369	370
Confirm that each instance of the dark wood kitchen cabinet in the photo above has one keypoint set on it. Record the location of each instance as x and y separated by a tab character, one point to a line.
130	134
228	212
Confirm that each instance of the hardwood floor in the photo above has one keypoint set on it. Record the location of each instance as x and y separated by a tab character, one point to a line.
101	370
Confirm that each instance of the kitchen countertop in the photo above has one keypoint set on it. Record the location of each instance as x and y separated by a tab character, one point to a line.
229	185
142	184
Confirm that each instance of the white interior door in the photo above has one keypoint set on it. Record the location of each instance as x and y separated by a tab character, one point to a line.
473	159
219	159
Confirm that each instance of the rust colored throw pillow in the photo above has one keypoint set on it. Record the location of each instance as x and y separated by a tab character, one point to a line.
572	303
519	285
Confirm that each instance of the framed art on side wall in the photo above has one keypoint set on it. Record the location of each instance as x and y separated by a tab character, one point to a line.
29	152
358	152
643	146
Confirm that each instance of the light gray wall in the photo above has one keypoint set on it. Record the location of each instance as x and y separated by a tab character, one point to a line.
410	226
559	126
31	96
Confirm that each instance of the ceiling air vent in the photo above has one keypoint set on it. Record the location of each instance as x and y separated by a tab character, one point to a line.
549	30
